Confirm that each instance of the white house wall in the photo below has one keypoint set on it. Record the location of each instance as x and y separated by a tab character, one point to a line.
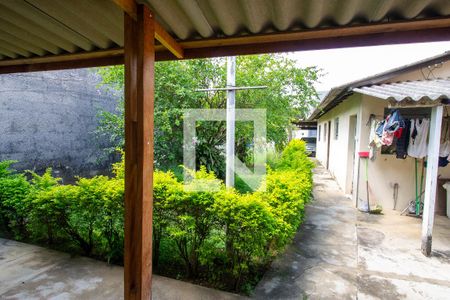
339	158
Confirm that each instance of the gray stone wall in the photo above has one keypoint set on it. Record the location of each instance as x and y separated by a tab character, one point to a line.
48	119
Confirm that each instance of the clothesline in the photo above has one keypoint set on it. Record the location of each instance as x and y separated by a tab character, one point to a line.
408	134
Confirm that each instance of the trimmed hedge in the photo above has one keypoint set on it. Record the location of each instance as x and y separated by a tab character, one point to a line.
223	238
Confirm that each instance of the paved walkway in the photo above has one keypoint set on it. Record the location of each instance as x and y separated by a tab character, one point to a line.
340	253
31	272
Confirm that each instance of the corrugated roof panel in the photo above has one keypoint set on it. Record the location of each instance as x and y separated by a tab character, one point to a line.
421	91
68	13
234	17
14	49
20	43
7	53
197	17
30	17
44	27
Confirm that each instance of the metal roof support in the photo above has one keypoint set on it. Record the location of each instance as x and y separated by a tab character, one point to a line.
431	179
139	114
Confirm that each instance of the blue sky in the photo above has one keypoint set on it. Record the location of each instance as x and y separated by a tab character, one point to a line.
348	64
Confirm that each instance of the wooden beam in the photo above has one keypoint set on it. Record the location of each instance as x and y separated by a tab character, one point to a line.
431	179
139	110
161	35
323	33
168	41
63	65
63	58
241	47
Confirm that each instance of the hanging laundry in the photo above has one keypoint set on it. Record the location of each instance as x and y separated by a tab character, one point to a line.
403	141
374	139
418	139
444	149
392	128
380	128
386	137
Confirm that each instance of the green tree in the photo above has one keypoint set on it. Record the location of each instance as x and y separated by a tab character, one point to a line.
289	94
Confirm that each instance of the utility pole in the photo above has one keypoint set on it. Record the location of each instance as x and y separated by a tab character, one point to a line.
231	117
231	121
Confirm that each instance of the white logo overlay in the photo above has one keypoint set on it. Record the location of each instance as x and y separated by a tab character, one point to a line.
252	178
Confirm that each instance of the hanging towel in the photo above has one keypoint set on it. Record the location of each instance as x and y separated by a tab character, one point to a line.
444	149
418	140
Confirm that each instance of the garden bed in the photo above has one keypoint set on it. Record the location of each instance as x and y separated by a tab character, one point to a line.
224	239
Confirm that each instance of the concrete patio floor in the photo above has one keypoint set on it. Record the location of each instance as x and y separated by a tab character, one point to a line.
340	253
31	272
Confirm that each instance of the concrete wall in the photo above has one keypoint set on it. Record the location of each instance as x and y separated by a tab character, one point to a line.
48	119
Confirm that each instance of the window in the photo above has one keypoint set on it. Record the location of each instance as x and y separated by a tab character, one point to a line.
336	128
325	131
318	136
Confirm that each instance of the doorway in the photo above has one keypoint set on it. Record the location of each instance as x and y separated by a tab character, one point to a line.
328	134
349	186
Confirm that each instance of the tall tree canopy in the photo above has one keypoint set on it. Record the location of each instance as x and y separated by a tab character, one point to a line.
289	94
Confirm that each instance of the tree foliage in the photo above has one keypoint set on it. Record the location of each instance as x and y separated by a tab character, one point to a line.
289	94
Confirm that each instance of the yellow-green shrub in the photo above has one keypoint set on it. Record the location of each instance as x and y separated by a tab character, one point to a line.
249	225
221	235
14	189
294	157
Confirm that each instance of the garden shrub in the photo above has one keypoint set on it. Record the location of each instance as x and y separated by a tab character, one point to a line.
294	157
249	225
46	205
287	192
166	188
222	236
96	216
48	213
193	220
14	189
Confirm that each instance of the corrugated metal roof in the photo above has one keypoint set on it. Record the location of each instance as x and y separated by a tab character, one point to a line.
407	92
43	27
35	28
338	94
192	19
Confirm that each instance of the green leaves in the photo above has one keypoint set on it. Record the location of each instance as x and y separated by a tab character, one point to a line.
224	237
289	94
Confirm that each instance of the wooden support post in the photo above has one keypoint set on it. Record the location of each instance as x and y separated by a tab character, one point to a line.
431	180
139	103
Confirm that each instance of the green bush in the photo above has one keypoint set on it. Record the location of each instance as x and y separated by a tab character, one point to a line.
250	226
14	190
294	157
193	219
96	217
166	188
221	235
